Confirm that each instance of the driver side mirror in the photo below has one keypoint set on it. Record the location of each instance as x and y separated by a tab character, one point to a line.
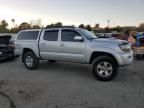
78	39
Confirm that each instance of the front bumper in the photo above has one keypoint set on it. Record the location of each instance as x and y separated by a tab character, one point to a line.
6	56
125	58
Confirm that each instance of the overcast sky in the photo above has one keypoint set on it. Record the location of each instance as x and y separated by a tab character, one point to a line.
119	12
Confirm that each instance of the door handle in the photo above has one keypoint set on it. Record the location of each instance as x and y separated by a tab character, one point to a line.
62	44
43	44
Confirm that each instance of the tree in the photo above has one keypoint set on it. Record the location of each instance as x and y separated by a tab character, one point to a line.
13	21
97	26
14	30
58	24
51	25
106	30
88	27
36	27
81	26
118	29
24	26
4	24
141	27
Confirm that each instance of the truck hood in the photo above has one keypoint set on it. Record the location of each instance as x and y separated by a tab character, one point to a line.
109	41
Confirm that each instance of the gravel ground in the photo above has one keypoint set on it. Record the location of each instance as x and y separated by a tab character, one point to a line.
68	85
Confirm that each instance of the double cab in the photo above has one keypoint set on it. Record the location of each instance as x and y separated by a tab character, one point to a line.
71	44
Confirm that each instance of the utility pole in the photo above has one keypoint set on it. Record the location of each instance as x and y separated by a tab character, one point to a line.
108	23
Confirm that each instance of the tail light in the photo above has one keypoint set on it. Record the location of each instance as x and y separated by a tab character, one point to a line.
12	46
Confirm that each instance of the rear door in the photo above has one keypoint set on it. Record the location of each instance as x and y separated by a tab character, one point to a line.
49	44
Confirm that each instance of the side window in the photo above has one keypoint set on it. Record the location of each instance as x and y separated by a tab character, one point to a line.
28	35
51	35
69	35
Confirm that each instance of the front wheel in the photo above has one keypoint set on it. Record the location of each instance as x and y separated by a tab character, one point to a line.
30	60
104	68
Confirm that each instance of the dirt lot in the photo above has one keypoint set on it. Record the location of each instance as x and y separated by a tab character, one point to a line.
67	85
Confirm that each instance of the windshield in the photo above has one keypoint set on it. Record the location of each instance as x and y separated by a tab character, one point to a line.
87	34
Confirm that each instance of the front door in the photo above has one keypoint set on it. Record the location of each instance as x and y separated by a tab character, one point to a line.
71	49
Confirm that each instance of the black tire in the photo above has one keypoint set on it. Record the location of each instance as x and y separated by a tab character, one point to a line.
51	61
100	72
35	62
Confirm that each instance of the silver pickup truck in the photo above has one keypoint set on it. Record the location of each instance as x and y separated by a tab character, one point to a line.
70	44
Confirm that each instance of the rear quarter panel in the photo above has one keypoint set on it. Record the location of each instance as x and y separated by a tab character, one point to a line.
32	45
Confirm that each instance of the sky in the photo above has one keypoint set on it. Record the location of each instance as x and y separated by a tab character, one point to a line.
74	12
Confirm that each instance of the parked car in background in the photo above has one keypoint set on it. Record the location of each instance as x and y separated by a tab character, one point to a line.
103	35
6	50
119	36
112	35
76	45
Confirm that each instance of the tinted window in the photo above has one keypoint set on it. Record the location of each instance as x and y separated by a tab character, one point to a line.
28	35
68	35
51	35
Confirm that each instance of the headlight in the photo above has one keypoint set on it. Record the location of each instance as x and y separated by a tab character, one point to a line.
125	47
0	53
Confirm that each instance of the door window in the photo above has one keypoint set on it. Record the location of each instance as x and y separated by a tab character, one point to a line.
51	35
69	35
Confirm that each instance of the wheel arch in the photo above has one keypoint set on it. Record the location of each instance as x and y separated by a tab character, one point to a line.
25	50
96	54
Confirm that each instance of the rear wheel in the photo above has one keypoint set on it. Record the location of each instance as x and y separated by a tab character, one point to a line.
30	60
104	68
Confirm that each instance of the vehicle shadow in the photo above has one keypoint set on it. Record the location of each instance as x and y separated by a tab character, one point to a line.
83	71
67	69
8	60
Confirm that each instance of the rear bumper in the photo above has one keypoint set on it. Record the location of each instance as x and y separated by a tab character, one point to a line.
125	58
